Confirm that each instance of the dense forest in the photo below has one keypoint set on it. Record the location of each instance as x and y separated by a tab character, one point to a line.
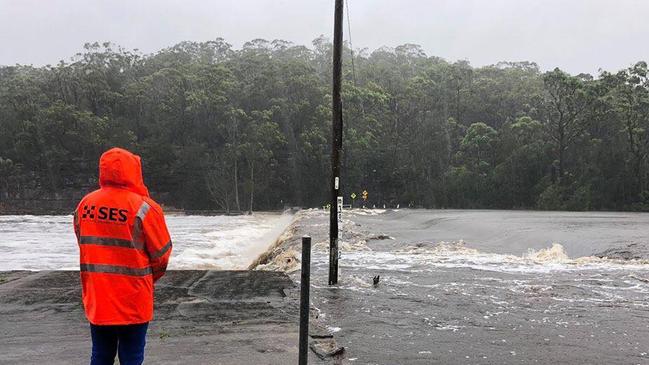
238	129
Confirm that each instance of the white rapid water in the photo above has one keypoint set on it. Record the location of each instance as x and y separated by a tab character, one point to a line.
433	257
200	242
503	241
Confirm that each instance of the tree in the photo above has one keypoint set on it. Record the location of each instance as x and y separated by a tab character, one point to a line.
567	100
260	138
628	98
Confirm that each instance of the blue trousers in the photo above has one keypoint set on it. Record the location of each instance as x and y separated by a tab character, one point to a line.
128	341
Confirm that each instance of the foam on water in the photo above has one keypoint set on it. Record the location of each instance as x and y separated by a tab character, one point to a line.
365	211
556	253
200	242
426	256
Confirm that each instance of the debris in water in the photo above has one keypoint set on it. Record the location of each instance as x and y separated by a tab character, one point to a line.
327	348
375	280
381	237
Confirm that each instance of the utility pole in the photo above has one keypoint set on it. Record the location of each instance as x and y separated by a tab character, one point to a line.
336	142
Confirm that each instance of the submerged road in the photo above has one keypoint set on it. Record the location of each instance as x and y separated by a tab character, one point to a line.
488	300
510	231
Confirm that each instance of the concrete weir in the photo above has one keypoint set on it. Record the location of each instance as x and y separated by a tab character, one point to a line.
201	317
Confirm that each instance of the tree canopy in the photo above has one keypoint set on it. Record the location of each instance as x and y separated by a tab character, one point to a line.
250	128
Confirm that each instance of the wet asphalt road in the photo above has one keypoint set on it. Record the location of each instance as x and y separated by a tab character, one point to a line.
202	317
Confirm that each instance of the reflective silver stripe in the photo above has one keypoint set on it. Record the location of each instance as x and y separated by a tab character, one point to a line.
162	251
105	241
138	239
144	209
115	269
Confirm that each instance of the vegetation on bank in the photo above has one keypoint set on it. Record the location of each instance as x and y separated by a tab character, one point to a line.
236	129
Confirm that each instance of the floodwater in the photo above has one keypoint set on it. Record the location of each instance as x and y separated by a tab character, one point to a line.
456	287
487	287
200	242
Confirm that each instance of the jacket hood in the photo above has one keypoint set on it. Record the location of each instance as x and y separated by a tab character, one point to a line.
121	168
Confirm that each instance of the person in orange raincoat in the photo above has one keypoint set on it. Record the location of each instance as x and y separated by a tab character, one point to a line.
124	248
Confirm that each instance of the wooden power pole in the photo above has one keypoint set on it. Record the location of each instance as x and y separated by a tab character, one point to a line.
336	142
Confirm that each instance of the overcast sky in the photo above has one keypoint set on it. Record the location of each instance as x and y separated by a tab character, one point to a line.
575	35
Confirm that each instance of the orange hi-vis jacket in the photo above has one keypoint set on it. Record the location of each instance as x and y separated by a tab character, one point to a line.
123	242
